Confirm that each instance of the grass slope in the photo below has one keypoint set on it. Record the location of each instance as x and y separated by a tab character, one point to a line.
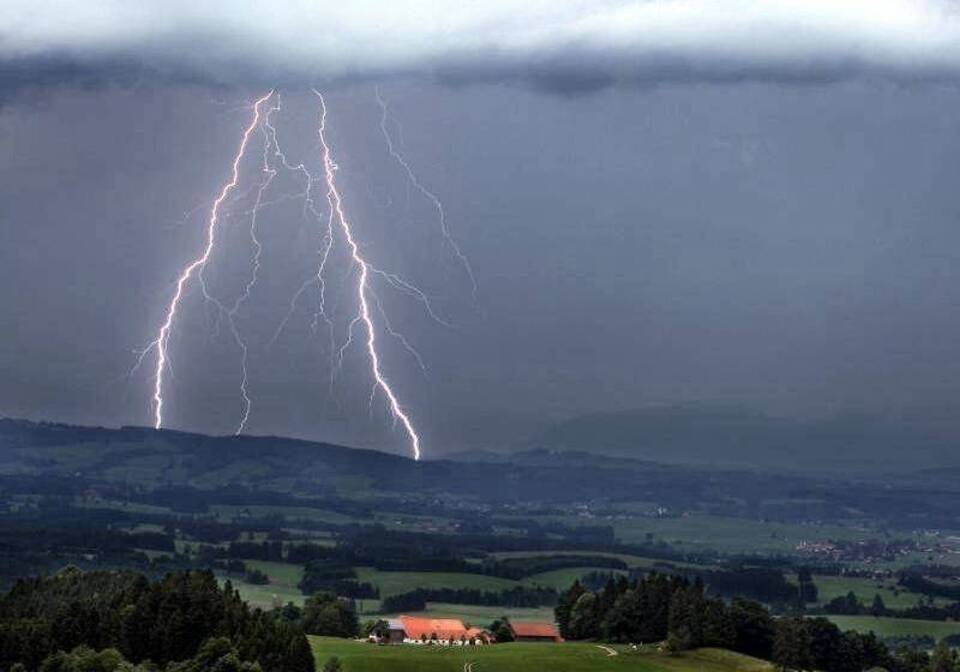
896	627
569	657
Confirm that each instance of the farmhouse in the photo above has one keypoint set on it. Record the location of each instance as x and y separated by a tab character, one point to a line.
442	631
531	631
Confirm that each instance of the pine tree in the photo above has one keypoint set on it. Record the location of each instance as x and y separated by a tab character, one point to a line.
718	630
791	644
754	628
944	659
565	606
584	618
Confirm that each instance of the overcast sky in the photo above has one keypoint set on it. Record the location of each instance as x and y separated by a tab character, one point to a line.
655	208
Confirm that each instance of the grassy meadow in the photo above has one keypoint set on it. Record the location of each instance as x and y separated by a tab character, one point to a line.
894	596
567	657
394	583
896	627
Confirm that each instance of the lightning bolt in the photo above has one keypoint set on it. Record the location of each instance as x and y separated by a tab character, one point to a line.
318	278
326	245
197	265
429	195
258	203
333	221
363	290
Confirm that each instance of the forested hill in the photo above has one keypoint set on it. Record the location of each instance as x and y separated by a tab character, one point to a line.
149	458
186	615
135	454
66	457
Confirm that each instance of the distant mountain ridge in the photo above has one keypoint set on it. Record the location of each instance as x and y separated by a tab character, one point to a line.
158	465
733	437
147	458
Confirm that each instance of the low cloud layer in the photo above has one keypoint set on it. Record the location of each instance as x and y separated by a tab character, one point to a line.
561	45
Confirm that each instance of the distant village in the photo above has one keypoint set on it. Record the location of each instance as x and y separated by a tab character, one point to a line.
868	551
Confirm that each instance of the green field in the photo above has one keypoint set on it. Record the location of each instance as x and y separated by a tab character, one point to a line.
632	561
267	597
729	535
568	657
561	579
699	532
280	573
894	597
281	589
284	578
393	583
896	627
230	513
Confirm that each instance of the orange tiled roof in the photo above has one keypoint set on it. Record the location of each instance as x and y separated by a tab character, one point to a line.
534	629
444	628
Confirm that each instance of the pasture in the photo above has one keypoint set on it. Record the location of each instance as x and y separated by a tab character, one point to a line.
393	583
897	627
894	596
525	657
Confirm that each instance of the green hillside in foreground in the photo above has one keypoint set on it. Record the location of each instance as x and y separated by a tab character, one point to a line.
568	657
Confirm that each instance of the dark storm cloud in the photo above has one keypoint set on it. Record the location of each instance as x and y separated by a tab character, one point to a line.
570	46
20	73
791	249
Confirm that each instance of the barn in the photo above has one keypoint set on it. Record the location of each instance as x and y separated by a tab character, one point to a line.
535	631
442	631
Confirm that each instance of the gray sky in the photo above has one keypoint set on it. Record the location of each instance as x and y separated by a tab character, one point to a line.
772	240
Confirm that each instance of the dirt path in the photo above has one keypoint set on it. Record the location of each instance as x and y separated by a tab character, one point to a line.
468	667
610	652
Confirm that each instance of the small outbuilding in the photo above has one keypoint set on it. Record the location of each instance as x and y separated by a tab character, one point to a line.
535	631
394	632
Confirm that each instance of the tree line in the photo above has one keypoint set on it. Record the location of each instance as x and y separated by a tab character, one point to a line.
336	577
164	622
925	610
676	610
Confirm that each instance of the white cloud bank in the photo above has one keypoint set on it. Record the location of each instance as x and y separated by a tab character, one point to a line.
559	43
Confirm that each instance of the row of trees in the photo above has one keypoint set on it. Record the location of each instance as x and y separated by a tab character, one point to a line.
217	654
763	584
918	583
675	609
518	596
925	609
336	577
164	622
322	614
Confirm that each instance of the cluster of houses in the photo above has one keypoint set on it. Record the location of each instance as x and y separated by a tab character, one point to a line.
452	632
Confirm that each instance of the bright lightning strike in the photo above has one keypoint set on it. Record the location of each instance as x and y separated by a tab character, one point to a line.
429	195
270	173
163	336
333	221
363	290
326	245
